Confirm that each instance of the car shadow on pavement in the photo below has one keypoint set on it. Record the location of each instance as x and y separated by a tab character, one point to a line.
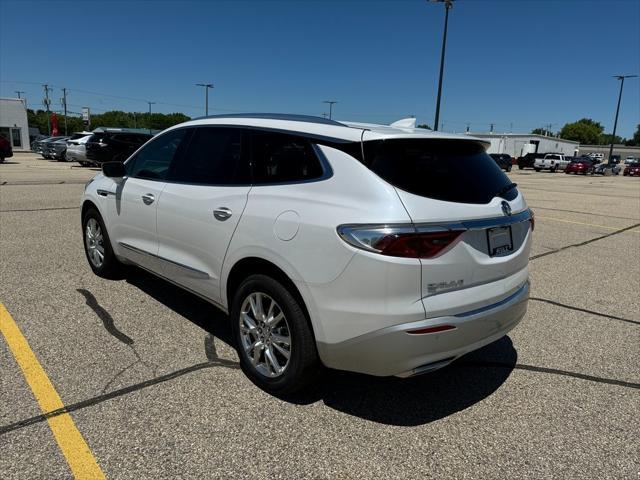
392	401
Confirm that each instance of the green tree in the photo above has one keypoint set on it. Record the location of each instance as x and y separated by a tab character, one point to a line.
605	139
423	125
113	119
585	131
542	131
635	140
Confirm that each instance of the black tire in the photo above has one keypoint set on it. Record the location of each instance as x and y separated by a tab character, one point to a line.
303	364
509	168
111	267
520	167
553	170
537	169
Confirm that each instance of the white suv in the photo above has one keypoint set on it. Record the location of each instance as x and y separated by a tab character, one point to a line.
376	249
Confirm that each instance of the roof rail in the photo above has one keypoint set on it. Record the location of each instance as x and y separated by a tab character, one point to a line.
278	116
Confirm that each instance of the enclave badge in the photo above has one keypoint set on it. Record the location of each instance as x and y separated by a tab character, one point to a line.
506	208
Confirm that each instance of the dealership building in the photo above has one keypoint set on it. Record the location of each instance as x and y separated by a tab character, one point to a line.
13	123
517	144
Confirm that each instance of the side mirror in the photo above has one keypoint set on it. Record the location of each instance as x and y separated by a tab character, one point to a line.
113	169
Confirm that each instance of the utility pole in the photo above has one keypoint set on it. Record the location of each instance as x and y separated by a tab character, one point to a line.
64	104
330	102
47	102
491	128
447	6
468	126
150	103
615	122
135	120
206	86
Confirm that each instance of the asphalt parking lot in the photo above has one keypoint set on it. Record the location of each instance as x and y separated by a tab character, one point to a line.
147	376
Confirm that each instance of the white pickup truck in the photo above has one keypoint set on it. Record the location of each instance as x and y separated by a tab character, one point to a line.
551	162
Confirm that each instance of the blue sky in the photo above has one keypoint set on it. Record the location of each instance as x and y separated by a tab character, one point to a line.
520	63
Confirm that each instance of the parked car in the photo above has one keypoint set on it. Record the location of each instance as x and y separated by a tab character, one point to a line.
596	156
45	146
580	165
36	142
504	161
528	160
112	146
58	149
633	170
326	242
76	149
601	167
551	161
36	146
630	159
6	150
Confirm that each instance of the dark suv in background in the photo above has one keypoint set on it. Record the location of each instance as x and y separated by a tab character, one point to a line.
114	146
528	160
503	160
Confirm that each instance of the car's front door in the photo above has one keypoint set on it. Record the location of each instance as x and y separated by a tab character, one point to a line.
200	207
133	201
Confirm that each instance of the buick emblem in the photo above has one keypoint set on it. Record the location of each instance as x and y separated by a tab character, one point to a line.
506	208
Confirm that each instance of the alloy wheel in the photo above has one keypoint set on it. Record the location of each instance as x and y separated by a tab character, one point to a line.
94	241
265	335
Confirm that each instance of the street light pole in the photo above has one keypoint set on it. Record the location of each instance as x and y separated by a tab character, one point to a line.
150	103
615	122
206	86
330	102
447	4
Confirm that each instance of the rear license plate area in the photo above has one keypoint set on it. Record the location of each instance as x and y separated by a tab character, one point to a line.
500	241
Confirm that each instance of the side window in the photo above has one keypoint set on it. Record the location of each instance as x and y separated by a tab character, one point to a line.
214	157
279	158
153	161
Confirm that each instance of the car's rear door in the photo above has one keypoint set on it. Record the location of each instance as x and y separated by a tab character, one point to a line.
132	202
455	185
201	206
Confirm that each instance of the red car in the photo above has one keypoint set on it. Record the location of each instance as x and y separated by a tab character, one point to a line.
5	148
580	166
633	170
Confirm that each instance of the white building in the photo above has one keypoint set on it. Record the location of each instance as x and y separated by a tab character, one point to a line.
516	144
13	123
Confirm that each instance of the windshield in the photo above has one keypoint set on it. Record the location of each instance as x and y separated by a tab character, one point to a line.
450	170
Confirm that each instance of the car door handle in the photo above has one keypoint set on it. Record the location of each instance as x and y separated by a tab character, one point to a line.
222	213
148	198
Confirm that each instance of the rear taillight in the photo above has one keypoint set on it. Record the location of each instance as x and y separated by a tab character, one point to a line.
398	241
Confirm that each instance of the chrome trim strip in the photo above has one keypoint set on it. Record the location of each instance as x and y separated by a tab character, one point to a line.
463	225
510	298
104	193
193	272
162	277
476	224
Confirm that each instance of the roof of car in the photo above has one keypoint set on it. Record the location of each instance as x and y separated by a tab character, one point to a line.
323	127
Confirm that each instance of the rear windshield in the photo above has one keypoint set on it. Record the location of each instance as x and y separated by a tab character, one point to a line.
450	170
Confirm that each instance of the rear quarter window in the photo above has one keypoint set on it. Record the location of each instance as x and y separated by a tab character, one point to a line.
449	170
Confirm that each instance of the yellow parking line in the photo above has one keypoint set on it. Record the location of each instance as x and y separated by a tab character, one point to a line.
73	446
583	223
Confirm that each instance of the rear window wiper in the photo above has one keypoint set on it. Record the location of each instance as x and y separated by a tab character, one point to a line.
505	189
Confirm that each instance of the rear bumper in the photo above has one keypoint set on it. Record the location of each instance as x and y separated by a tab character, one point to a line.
393	351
